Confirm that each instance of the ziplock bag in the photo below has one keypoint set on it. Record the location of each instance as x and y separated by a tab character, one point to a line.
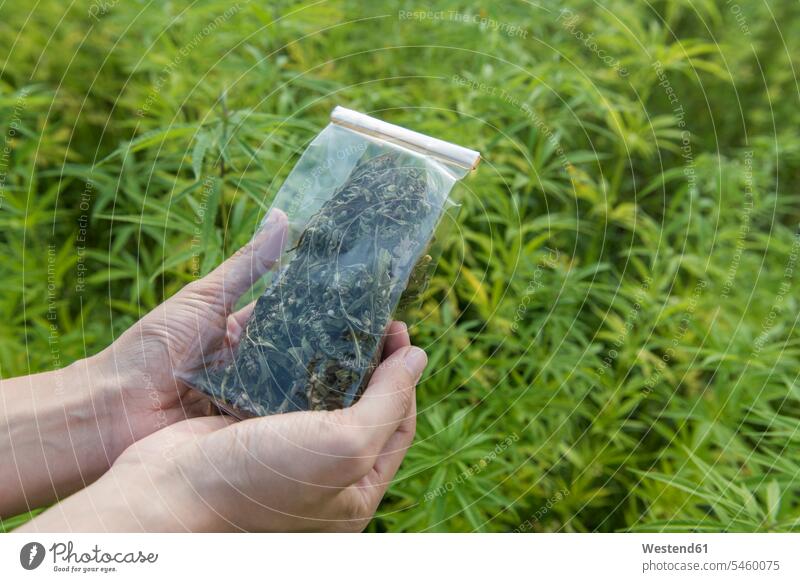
363	204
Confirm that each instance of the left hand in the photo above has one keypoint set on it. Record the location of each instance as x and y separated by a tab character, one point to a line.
143	367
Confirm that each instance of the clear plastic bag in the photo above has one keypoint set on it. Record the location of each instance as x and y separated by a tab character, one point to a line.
363	203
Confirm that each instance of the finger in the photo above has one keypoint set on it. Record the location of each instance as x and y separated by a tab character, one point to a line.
387	400
234	327
204	425
193	428
194	404
396	338
236	275
373	486
237	321
392	455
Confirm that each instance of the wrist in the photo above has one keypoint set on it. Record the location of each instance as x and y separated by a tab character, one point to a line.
130	404
153	499
98	403
133	497
55	429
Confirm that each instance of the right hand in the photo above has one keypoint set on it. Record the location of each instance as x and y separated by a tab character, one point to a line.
300	471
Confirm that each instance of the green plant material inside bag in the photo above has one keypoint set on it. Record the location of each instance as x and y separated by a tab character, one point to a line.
317	332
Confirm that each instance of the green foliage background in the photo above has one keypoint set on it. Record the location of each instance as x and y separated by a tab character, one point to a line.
612	328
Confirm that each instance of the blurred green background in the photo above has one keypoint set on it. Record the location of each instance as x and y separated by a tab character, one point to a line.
612	328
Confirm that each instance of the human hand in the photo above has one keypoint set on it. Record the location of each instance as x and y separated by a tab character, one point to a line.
63	429
143	367
299	471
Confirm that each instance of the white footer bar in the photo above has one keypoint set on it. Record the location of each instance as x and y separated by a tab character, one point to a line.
406	557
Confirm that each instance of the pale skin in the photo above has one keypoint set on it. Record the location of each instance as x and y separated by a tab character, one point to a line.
122	444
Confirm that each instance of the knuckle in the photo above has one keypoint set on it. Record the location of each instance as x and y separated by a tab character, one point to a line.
244	250
349	451
411	426
360	466
199	290
345	444
401	395
394	395
354	515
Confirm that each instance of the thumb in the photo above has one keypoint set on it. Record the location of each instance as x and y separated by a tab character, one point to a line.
237	274
387	401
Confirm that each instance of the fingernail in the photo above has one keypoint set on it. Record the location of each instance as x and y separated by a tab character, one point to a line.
415	360
400	328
